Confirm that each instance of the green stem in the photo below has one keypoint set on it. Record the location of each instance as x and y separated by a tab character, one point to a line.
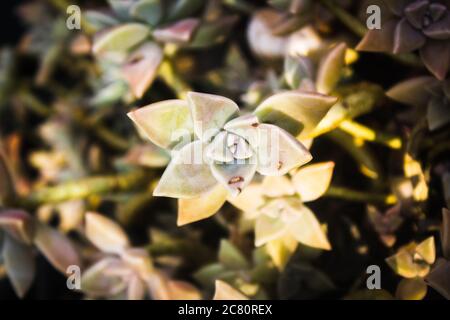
360	196
367	162
168	74
83	188
360	131
354	100
99	130
347	19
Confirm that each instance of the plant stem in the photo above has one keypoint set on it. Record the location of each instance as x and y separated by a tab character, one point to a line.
168	74
367	162
86	187
354	100
107	136
360	131
347	19
360	196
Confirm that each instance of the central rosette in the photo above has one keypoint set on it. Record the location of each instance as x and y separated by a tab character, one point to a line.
228	147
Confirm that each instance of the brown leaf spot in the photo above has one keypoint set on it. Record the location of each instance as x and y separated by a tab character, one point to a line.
280	164
235	180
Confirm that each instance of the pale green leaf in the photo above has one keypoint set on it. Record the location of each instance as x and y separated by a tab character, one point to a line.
105	233
231	257
165	123
279	152
312	181
18	260
202	207
141	67
120	38
187	175
295	111
210	113
330	69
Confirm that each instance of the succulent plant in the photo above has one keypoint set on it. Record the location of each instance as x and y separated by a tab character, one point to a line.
125	272
249	276
20	235
277	207
425	93
228	149
413	262
266	44
129	41
415	25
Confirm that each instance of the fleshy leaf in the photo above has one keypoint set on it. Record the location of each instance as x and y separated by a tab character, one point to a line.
141	67
187	175
411	289
259	34
213	32
379	40
436	57
202	207
438	113
98	20
438	278
226	292
412	91
97	281
277	186
267	229
183	8
179	32
18	224
19	263
281	250
297	70
312	181
250	199
439	30
295	111
121	7
231	257
139	260
279	152
403	263
105	234
120	38
149	11
330	69
56	247
218	150
245	127
235	176
165	123
406	38
210	113
307	230
427	250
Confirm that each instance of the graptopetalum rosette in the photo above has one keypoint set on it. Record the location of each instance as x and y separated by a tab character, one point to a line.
216	152
411	25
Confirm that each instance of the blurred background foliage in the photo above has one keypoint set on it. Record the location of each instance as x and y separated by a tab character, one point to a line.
76	179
